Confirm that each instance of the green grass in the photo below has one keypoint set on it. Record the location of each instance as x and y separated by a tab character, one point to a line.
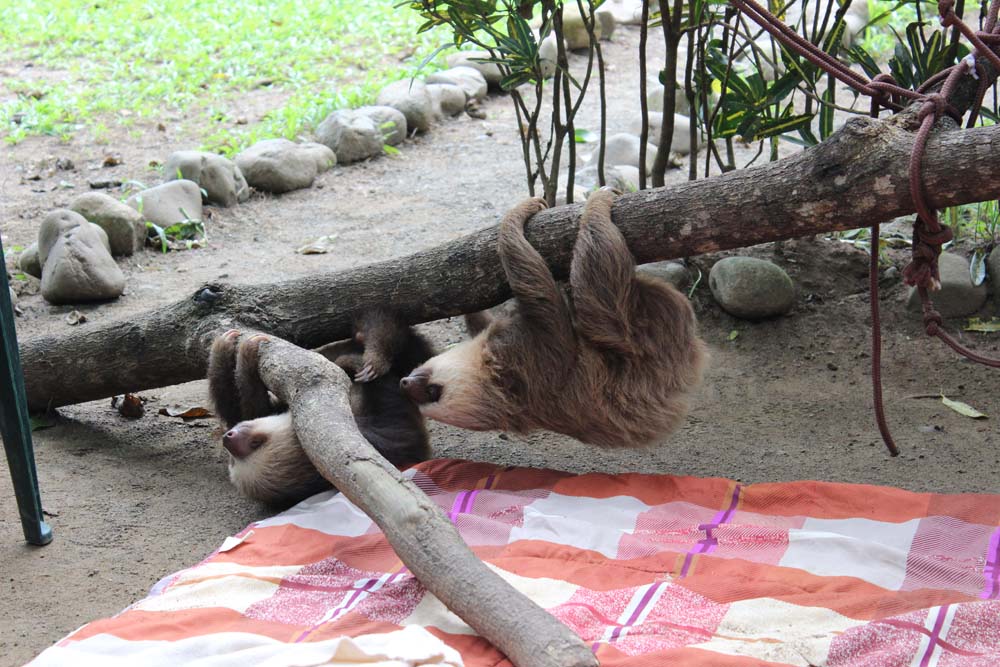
98	65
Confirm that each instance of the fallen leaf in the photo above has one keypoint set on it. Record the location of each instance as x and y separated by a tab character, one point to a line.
320	246
194	412
112	160
75	317
962	408
44	421
734	334
991	325
131	406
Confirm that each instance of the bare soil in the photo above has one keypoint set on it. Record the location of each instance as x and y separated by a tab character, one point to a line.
786	399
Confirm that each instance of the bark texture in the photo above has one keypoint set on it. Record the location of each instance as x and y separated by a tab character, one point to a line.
423	537
855	178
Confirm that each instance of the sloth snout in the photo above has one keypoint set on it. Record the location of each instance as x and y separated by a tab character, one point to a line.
418	388
238	443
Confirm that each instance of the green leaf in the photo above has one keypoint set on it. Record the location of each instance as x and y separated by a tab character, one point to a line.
584	136
977	267
991	325
37	423
962	408
734	334
864	59
826	110
770	128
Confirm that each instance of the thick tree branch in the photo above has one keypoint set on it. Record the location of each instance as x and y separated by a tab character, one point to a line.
423	537
857	177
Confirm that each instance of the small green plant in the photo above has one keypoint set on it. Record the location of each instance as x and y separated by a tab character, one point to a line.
185	235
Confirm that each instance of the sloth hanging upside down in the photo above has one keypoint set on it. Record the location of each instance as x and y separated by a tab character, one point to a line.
612	365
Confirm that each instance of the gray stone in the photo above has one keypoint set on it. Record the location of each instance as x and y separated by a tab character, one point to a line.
630	176
29	261
124	226
548	55
469	79
391	123
219	177
606	19
168	203
352	136
411	98
958	297
447	99
324	158
79	268
490	71
625	12
57	223
751	288
278	165
992	271
623	148
674	273
679	143
579	195
575	28
586	178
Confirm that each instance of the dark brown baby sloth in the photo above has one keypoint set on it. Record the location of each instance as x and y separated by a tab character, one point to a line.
266	461
612	365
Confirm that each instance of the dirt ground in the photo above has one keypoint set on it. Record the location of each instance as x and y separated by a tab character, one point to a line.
132	501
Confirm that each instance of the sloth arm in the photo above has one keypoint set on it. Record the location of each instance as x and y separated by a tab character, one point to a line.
540	303
222	379
601	275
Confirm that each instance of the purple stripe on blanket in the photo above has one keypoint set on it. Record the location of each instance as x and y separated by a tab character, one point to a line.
991	572
710	542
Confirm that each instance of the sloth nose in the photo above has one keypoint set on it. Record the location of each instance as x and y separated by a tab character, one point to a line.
237	443
416	386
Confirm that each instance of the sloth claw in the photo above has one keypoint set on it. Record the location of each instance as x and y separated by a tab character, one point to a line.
366	374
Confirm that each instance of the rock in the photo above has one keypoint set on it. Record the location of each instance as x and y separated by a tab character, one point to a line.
575	27
469	79
79	268
57	223
586	178
168	203
625	12
654	98
548	55
623	148
412	99
447	98
579	195
490	71
992	270
751	288
278	165
679	143
607	23
29	261
390	122
124	226
630	176
674	273
324	158
352	136
958	297
219	177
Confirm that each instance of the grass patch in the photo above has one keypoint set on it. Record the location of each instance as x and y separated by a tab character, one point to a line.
101	65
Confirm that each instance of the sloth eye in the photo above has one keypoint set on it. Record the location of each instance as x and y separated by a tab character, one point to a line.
434	392
257	442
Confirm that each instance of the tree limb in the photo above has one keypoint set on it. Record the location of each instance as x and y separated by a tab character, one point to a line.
422	536
856	177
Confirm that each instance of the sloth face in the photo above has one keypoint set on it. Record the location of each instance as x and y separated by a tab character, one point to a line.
266	461
451	387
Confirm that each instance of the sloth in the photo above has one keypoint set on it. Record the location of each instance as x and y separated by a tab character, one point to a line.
612	364
266	461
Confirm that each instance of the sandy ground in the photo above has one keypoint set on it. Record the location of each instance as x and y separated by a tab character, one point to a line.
131	501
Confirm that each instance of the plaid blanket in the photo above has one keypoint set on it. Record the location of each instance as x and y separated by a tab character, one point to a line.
649	570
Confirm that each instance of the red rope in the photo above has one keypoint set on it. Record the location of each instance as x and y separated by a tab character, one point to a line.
928	233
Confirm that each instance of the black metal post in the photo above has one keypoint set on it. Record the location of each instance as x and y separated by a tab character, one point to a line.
14	425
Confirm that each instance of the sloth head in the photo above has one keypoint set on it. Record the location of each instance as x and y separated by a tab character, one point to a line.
454	387
267	463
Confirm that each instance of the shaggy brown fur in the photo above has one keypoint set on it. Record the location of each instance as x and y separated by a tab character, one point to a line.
266	461
610	366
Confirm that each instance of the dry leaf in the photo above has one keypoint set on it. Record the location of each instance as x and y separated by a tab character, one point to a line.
75	317
991	325
194	412
320	246
962	408
131	406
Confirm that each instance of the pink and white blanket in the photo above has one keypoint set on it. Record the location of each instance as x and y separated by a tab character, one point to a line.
649	570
